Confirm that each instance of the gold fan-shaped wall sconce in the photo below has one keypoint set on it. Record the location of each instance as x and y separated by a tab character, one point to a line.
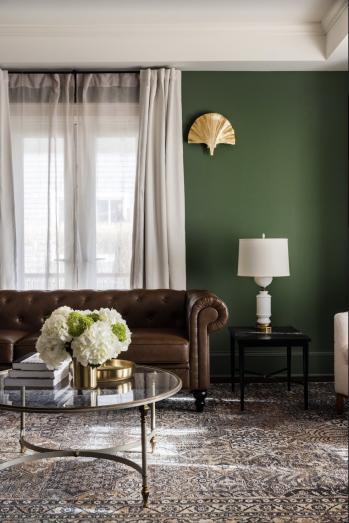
211	129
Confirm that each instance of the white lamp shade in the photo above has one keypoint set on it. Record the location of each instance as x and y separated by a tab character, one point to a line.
261	257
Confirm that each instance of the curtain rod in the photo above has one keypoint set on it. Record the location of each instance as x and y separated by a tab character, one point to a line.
69	71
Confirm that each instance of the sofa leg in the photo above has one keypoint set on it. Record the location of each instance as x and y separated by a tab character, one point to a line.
200	396
339	403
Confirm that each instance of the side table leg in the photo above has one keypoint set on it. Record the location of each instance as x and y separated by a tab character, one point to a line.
305	373
153	427
288	368
22	432
145	492
242	377
232	362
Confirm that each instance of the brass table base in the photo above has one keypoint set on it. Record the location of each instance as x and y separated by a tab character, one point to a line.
107	453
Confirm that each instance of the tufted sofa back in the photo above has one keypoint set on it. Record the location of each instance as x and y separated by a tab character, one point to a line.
27	310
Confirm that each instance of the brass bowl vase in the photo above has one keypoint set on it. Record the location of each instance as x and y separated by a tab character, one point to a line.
115	370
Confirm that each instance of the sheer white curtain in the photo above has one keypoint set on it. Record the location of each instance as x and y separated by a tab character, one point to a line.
43	159
74	143
108	124
8	270
158	259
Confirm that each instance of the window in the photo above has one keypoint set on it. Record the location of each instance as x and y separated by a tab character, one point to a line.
115	180
116	211
109	211
102	211
44	213
75	147
43	196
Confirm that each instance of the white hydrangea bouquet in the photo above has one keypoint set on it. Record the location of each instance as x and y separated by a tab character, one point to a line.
91	337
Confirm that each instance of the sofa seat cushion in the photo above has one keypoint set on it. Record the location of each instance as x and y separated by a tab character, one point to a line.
8	338
148	346
158	346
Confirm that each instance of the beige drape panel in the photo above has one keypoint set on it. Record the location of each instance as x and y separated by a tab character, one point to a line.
158	258
8	270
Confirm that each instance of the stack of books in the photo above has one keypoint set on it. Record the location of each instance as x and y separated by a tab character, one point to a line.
30	371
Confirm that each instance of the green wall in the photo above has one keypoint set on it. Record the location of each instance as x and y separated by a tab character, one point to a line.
287	176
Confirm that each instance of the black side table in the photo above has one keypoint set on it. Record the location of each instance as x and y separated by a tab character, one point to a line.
288	337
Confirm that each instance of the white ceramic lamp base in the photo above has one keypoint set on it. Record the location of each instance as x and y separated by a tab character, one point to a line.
263	305
264	311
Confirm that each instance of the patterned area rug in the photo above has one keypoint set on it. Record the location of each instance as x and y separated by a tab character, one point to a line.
274	463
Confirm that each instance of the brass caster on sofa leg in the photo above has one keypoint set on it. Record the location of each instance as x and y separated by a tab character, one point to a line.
200	396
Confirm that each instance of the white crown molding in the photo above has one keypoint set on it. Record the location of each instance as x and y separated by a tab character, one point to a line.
254	39
115	29
337	35
333	14
202	46
148	46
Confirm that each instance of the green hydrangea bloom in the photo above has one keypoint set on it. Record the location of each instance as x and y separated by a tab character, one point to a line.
78	323
119	329
94	315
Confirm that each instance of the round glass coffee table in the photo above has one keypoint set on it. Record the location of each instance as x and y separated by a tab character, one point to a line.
147	386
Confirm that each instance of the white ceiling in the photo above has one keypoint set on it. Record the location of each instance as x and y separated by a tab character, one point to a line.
190	34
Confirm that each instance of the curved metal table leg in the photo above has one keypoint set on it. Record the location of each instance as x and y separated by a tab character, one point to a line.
125	447
73	454
107	453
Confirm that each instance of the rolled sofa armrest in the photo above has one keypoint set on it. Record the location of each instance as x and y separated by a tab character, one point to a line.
206	313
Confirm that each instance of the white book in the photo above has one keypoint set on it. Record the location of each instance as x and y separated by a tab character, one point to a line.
30	362
48	383
13	373
34	363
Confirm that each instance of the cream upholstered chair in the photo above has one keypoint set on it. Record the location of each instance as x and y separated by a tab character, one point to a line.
341	358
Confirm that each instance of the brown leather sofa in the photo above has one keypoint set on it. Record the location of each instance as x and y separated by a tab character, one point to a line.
170	329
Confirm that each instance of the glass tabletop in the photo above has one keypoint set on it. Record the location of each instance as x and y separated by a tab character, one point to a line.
147	385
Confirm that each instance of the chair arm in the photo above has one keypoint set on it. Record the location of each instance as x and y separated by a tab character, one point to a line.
341	353
206	313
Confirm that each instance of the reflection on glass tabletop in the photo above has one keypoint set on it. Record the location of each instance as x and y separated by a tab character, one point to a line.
147	385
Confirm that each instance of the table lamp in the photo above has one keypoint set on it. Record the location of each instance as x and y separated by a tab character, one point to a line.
263	259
